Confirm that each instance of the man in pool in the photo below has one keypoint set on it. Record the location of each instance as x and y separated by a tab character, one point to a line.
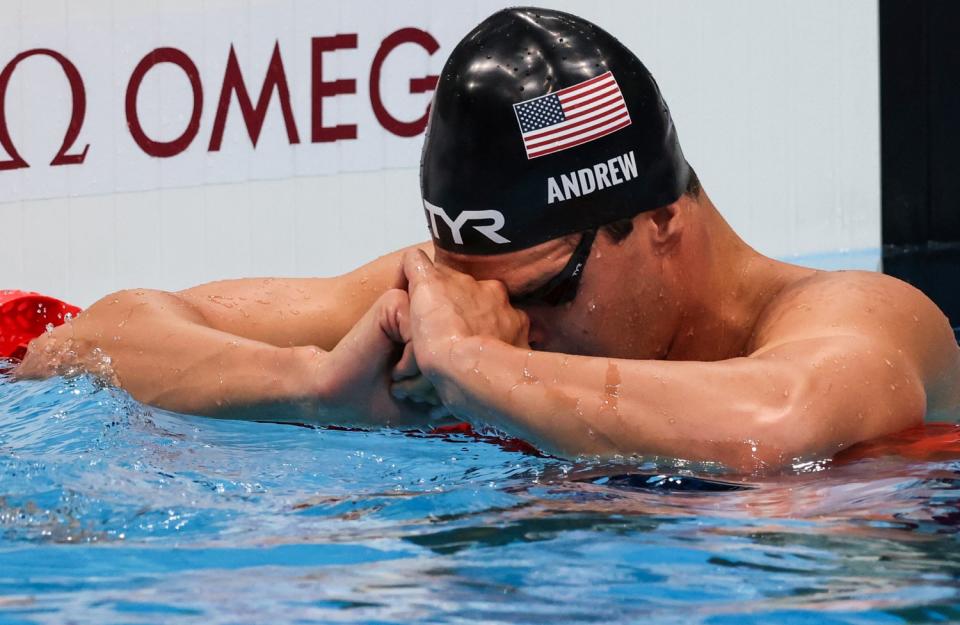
581	291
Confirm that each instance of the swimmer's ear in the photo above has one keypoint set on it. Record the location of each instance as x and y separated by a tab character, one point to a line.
667	222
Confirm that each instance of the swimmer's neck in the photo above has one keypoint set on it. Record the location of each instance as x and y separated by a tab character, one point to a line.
731	285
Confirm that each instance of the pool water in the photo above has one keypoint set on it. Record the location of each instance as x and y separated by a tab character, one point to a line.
112	512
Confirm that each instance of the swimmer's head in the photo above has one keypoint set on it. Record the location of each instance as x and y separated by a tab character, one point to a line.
543	125
551	163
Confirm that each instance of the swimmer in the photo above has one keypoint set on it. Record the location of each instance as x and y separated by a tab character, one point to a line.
581	291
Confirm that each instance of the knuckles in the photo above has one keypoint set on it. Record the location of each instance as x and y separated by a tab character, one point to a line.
497	289
482	307
394	306
395	299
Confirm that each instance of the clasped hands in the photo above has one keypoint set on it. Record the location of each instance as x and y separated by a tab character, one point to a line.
445	307
393	367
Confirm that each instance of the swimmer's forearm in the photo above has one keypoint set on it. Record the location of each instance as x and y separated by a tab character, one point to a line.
764	410
245	380
565	404
156	347
573	405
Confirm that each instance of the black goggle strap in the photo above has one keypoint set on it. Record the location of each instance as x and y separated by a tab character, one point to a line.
562	288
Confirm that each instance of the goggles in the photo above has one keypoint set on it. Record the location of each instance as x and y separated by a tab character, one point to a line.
562	288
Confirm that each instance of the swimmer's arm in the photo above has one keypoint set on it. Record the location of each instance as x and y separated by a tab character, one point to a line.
288	312
216	345
183	365
161	350
805	398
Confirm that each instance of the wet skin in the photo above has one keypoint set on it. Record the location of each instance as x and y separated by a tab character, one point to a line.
682	341
300	350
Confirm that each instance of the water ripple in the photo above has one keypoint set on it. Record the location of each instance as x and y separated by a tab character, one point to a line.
112	512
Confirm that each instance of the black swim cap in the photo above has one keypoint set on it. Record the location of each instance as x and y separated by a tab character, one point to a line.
542	125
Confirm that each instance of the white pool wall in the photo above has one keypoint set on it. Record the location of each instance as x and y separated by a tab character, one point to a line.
776	102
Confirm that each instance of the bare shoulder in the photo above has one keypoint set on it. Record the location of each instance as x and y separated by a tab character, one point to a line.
853	302
881	310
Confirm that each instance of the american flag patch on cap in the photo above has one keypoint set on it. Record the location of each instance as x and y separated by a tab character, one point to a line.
572	116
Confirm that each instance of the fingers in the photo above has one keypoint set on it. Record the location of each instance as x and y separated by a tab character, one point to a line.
418	389
417	267
407	367
454	304
523	329
403	322
394	307
499	292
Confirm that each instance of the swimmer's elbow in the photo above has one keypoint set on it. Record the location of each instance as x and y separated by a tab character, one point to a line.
808	427
787	424
148	305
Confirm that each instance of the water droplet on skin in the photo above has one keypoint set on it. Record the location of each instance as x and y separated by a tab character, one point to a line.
226	302
591	306
49	328
672	421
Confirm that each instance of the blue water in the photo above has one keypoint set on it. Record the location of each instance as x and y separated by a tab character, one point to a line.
112	512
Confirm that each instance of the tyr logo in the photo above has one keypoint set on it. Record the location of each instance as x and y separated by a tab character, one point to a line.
489	230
